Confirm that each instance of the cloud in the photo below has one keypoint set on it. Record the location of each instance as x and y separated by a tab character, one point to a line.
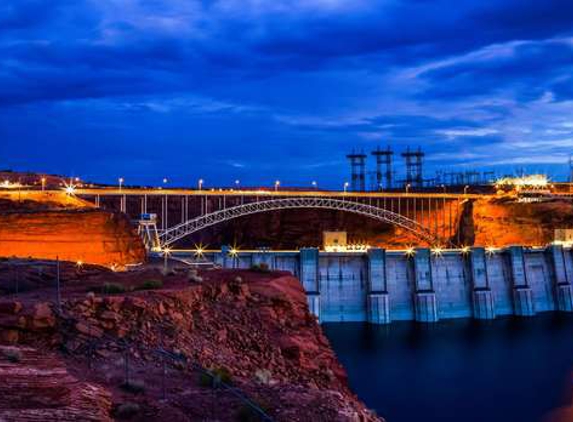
282	85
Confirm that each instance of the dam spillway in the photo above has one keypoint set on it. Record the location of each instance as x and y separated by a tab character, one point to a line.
380	286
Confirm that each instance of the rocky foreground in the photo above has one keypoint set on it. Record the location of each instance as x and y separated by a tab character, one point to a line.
135	345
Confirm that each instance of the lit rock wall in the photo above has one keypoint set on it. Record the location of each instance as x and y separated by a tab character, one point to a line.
90	236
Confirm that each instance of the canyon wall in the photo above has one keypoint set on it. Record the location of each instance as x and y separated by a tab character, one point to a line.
87	235
503	221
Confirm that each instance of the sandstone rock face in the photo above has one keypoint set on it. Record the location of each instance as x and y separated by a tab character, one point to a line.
89	235
254	326
504	222
37	387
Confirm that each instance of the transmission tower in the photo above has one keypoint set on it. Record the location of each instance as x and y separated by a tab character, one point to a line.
357	170
414	159
383	167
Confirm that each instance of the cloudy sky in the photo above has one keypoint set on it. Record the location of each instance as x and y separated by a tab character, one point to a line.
260	90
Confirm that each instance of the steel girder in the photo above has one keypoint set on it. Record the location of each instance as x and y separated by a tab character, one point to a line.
196	224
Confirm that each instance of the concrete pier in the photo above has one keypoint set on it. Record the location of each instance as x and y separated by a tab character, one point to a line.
482	296
378	300
381	286
522	294
426	306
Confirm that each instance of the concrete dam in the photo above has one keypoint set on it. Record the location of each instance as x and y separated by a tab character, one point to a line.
381	286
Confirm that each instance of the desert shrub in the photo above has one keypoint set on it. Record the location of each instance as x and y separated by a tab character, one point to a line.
13	355
134	386
205	380
150	285
109	288
260	268
127	410
217	376
222	375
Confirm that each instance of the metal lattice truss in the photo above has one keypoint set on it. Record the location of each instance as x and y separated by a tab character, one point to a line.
194	225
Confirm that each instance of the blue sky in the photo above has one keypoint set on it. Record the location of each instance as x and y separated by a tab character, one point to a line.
264	90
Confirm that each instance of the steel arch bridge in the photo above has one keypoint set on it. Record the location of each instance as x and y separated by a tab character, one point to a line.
175	233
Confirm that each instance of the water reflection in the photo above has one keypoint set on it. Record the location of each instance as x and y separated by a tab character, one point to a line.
460	370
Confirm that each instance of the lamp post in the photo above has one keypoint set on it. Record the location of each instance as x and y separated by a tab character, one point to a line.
277	184
201	181
408	186
346	184
466	187
314	184
120	180
43	180
237	183
444	188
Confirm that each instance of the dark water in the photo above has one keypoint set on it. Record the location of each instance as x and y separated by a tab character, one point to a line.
463	370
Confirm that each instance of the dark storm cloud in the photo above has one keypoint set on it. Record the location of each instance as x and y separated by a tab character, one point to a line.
315	78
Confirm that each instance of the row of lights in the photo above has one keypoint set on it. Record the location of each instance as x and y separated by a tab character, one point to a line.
437	251
201	182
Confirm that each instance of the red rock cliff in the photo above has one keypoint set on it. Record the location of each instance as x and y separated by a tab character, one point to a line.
256	326
87	235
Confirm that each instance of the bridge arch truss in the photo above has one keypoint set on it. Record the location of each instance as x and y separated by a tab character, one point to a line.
175	233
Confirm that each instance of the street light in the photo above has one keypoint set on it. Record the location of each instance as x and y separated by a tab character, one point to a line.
165	180
120	180
43	180
444	188
346	184
277	184
201	181
466	187
237	183
314	184
408	186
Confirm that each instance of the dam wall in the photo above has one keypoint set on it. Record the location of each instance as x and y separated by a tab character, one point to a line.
382	286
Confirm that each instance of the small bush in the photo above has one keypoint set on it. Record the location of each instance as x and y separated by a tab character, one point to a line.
110	288
217	376
127	410
13	355
205	380
222	375
150	285
134	386
260	268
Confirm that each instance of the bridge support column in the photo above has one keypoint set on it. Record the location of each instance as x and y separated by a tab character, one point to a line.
425	302
309	278
522	294
563	288
483	302
377	300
